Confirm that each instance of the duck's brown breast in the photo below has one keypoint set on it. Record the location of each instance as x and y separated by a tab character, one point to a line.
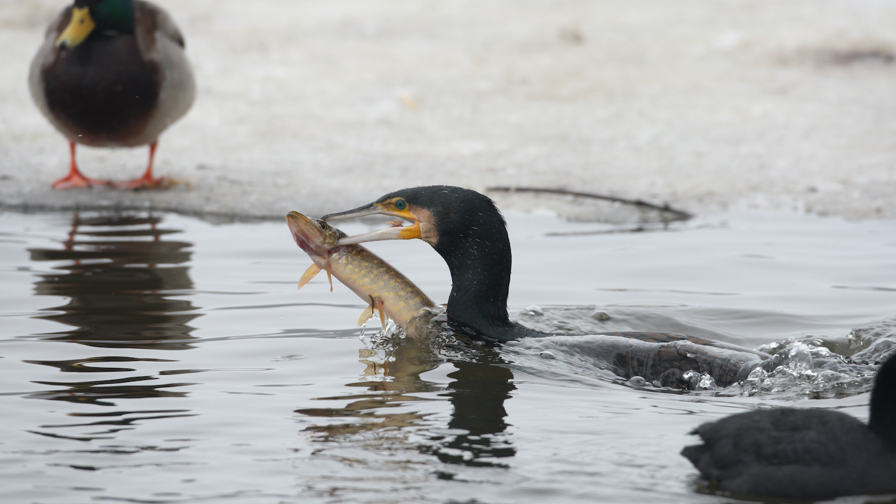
103	92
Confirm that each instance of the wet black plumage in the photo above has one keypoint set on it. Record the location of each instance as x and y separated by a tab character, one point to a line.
803	453
469	232
473	241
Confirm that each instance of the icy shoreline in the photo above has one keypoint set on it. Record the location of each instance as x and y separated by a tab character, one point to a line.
705	105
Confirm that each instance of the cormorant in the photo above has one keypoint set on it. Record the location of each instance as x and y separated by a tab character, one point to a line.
803	453
469	232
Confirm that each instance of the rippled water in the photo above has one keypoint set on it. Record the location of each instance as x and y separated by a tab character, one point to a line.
150	357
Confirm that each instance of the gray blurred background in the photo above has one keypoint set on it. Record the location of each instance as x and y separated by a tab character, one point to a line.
710	105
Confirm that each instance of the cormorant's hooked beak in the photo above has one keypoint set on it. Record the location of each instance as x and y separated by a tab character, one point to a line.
397	230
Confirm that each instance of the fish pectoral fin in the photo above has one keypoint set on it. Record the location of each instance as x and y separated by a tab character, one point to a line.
330	277
368	312
310	273
376	303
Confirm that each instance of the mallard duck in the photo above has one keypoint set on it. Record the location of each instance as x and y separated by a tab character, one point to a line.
112	73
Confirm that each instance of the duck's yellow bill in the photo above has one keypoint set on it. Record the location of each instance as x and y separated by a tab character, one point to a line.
78	28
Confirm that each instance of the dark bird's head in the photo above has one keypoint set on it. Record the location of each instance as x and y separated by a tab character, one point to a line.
97	17
882	419
443	216
468	231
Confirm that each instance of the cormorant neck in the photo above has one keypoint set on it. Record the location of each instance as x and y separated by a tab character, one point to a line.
468	231
480	282
882	419
479	259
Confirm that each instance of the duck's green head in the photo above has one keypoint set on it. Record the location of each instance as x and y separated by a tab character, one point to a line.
100	16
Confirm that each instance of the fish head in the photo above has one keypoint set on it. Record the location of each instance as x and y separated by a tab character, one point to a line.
312	235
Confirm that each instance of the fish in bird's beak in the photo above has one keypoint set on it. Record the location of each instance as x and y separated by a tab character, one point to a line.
313	236
316	238
393	207
368	276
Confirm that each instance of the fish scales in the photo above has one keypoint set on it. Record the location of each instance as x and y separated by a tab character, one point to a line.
362	271
368	275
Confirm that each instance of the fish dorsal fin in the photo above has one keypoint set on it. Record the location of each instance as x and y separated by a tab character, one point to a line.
310	273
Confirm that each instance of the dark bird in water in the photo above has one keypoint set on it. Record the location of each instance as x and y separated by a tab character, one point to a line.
470	234
803	453
112	73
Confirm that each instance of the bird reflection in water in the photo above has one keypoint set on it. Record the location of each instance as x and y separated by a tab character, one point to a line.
121	278
475	434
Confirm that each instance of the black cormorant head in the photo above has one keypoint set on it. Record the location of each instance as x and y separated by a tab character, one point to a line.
883	403
413	205
443	216
468	231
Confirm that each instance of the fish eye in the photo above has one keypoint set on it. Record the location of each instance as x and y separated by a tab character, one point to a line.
400	204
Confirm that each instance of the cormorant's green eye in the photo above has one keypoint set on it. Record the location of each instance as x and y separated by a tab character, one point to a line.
400	204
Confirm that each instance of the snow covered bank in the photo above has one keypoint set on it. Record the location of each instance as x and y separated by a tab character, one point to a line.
321	105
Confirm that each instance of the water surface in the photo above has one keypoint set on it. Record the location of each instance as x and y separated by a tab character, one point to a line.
152	357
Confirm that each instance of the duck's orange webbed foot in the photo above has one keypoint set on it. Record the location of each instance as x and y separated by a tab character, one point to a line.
75	179
144	182
147	181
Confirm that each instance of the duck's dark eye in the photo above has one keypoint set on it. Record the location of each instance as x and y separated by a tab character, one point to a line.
400	204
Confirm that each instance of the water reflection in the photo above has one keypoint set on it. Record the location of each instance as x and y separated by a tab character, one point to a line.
475	434
370	410
118	275
477	393
103	392
121	278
